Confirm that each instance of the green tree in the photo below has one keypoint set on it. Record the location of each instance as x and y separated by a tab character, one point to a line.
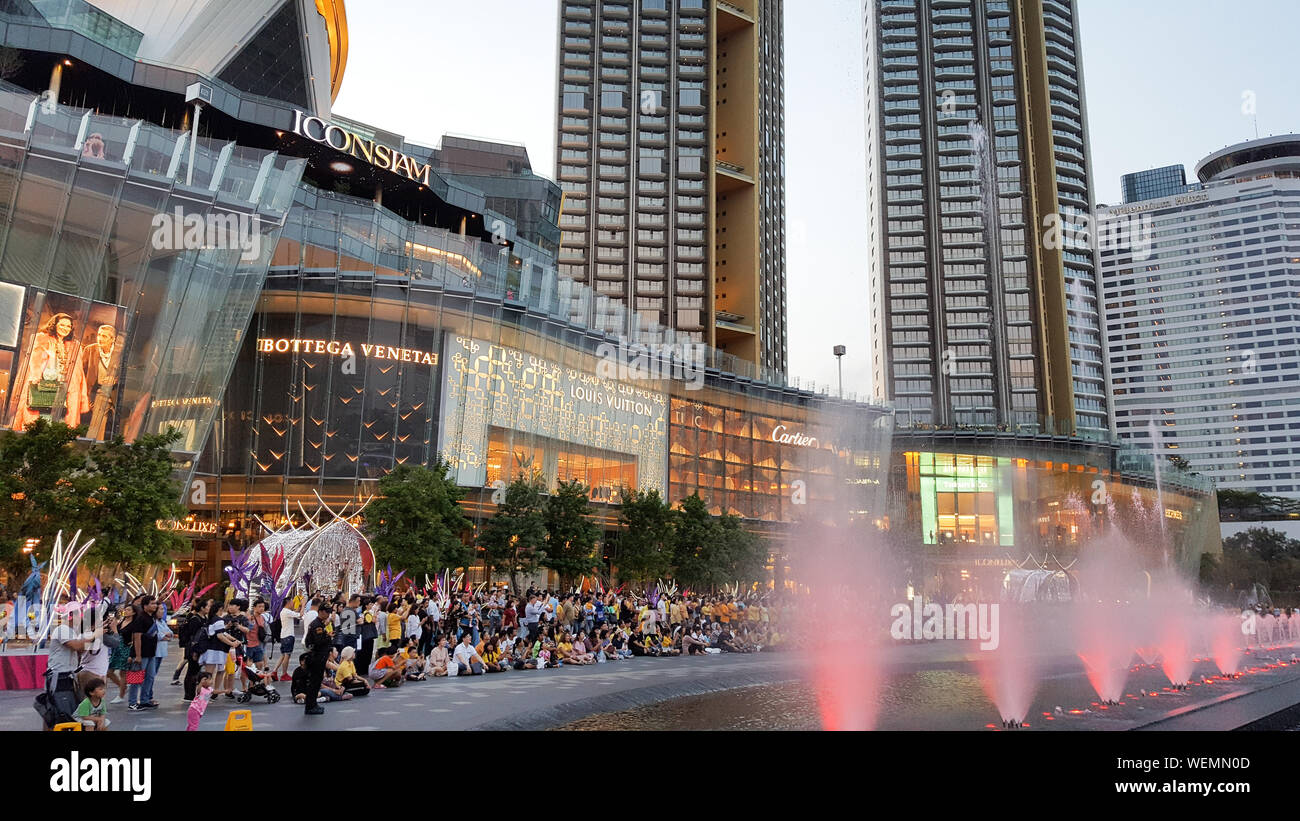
113	492
416	523
136	488
696	544
744	554
645	548
514	539
570	534
45	486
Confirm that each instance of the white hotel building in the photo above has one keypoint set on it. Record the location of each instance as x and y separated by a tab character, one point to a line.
1203	318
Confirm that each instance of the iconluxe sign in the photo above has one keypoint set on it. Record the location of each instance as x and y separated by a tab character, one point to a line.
377	154
333	347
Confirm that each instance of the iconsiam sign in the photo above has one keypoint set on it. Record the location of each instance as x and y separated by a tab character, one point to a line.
335	553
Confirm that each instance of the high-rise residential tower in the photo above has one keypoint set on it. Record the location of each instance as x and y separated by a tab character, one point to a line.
671	157
977	140
1201	318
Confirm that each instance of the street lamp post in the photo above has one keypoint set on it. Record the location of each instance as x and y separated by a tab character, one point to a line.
839	351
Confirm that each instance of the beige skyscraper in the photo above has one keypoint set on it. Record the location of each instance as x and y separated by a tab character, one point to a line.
671	157
976	139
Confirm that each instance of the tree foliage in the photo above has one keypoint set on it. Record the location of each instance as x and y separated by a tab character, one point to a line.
1257	556
113	492
136	490
646	547
710	552
514	539
570	534
416	523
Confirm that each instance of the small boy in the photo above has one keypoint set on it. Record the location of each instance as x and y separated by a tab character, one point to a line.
93	710
301	675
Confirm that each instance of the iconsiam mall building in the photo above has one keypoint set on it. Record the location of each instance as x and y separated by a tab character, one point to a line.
313	301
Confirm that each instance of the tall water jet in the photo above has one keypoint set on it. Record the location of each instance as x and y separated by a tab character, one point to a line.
1104	627
1226	642
843	571
1175	619
1010	672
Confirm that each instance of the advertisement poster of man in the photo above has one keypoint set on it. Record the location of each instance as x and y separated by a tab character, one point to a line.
69	364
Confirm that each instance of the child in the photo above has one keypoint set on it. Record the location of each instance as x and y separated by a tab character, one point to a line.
93	711
301	675
385	672
200	703
414	664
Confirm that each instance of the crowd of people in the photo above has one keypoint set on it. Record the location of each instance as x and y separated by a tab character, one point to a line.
337	648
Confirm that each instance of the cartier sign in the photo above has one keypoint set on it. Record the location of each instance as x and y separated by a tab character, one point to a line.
377	154
779	434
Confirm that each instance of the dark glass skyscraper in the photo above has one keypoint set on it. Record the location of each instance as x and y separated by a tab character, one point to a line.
1154	183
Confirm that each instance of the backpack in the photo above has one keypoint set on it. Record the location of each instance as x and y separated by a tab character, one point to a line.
60	706
200	641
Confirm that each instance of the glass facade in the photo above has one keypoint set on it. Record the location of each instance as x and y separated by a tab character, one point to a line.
125	286
1154	183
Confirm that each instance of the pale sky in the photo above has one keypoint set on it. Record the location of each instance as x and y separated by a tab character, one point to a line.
1166	82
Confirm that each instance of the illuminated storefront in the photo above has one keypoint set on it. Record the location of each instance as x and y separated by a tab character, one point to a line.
964	498
524	408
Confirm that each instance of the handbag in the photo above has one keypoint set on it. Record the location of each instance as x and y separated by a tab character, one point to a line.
42	393
135	673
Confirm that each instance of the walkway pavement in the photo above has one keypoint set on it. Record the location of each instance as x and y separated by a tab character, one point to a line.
521	699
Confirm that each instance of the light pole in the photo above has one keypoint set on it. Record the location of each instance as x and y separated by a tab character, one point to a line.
839	351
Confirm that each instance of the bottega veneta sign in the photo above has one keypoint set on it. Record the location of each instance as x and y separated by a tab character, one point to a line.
334	347
377	154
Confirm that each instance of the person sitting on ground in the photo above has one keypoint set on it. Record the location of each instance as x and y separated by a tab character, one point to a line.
93	710
493	662
346	675
301	673
727	641
468	661
581	651
436	663
412	661
384	672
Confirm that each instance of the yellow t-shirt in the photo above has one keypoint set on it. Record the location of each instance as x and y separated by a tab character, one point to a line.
346	671
394	626
724	613
565	648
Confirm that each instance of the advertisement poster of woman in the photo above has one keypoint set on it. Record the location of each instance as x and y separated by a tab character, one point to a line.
70	363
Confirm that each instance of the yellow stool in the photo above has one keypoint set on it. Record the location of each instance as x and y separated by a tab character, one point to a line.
239	720
69	727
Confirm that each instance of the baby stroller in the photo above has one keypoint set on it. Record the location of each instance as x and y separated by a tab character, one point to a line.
259	685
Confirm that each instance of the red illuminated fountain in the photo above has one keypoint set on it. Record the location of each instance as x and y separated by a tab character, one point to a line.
1010	672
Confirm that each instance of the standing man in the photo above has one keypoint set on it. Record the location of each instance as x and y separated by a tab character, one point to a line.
349	618
318	645
144	643
99	367
532	617
288	624
367	631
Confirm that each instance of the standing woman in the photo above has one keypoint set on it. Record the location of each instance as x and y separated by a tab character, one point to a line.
52	370
220	642
396	621
195	648
381	625
120	658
